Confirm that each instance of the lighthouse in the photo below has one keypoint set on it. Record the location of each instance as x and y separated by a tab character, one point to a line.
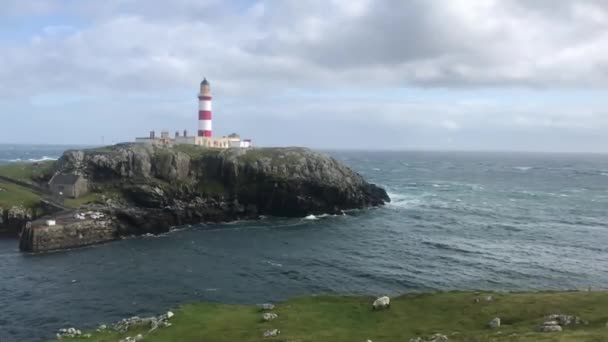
204	110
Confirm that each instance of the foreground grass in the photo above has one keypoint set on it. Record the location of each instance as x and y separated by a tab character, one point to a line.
348	319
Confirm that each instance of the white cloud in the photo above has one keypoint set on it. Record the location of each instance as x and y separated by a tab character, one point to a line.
255	54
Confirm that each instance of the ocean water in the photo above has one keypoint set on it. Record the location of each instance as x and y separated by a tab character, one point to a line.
499	221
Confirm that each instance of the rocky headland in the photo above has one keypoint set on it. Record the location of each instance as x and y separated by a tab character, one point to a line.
143	189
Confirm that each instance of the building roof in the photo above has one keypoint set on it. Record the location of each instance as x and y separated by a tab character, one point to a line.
65	179
205	82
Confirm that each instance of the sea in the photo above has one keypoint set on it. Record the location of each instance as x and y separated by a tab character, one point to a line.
457	221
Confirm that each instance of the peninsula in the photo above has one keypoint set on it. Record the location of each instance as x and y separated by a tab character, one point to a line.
103	194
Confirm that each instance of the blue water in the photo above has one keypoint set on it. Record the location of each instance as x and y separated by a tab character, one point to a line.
497	221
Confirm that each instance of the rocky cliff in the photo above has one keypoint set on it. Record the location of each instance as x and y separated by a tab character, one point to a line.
148	189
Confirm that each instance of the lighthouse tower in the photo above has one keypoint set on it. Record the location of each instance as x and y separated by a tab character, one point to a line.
204	110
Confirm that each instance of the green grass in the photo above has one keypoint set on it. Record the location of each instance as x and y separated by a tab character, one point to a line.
28	172
347	319
11	194
77	202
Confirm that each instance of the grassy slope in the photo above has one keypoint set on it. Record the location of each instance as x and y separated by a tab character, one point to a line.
348	319
11	194
27	172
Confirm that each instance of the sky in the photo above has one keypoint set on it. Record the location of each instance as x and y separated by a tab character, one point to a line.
360	74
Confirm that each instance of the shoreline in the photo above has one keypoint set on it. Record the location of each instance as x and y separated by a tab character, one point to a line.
427	316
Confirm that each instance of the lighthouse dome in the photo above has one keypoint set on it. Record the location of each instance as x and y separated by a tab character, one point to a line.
205	82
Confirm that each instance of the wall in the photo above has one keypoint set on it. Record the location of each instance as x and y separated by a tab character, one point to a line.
66	190
42	238
185	140
81	187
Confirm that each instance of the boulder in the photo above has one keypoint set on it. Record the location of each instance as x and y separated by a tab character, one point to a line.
269	316
272	333
565	320
69	332
382	303
266	307
494	323
432	338
550	326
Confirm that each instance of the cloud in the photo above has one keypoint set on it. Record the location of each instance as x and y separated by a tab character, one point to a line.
257	53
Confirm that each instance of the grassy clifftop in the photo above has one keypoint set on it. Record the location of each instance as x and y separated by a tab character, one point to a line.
460	316
12	194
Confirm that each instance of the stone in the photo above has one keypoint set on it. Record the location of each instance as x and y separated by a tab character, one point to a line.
489	298
266	307
494	323
565	320
439	338
69	332
382	303
550	328
272	333
139	337
269	316
170	314
432	338
102	327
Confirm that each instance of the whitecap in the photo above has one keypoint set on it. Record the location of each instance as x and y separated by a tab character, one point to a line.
311	217
522	168
403	201
376	169
31	160
275	264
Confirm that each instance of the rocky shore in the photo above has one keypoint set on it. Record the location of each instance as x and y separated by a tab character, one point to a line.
145	189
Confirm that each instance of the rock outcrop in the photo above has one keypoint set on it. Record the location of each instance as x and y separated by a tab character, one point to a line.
13	219
154	188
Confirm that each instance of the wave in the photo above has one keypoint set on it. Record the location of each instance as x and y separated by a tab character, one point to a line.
403	201
317	217
31	160
523	168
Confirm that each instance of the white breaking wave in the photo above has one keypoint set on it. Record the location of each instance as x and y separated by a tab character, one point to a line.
317	217
31	160
523	168
403	201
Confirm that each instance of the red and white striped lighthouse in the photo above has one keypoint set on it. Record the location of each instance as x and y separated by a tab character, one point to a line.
204	110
